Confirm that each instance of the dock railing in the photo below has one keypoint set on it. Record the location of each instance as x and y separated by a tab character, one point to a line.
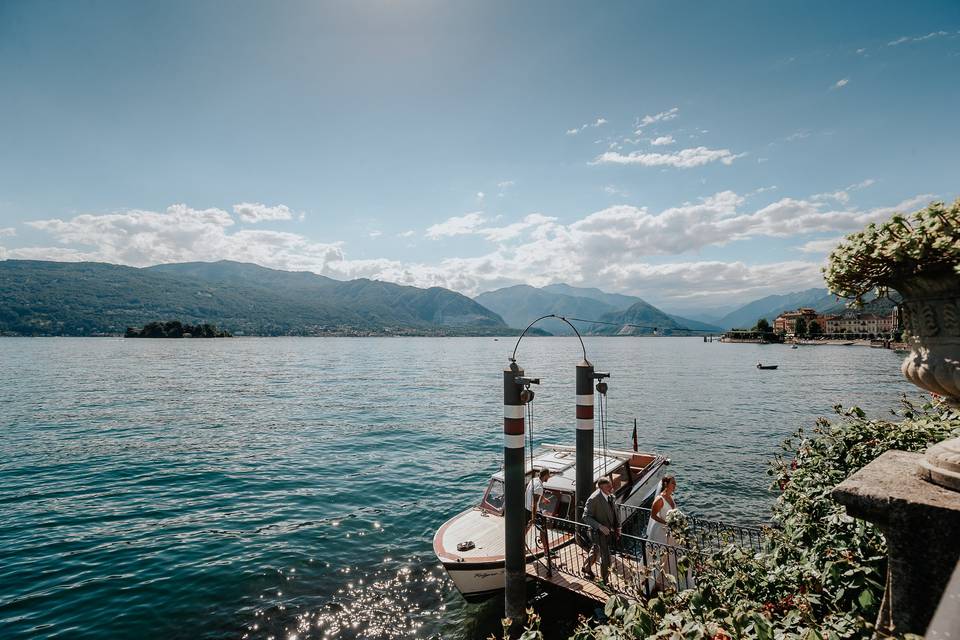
704	534
639	567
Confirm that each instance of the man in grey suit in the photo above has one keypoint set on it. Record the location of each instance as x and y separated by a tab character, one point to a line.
600	513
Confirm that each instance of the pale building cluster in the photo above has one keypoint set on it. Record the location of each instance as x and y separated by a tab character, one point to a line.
849	322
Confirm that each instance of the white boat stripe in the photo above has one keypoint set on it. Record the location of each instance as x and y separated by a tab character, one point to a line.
513	411
585	399
512	442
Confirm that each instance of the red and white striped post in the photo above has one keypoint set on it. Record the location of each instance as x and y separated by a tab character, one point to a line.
515	597
584	435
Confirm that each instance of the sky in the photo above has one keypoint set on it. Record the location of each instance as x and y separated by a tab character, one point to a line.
697	154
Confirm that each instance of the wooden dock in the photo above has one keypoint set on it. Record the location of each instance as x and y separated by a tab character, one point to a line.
627	575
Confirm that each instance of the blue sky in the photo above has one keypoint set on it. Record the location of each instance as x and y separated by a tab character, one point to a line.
696	154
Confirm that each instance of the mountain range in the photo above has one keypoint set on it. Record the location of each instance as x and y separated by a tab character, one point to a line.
85	298
618	314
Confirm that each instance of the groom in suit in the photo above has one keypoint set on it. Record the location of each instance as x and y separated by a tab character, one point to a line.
600	513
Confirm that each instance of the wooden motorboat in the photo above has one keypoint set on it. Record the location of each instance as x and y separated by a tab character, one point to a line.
766	366
471	545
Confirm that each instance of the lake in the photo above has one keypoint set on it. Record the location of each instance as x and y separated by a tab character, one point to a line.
282	487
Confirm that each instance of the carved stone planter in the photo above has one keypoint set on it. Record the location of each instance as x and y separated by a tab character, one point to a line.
931	317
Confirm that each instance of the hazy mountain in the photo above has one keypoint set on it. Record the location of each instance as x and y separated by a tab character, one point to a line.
639	319
58	298
770	307
620	301
872	304
614	300
522	304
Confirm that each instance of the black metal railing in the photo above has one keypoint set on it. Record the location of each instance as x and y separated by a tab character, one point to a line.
636	567
702	534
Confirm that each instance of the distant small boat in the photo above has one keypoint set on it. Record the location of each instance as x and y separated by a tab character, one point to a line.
795	347
847	344
766	366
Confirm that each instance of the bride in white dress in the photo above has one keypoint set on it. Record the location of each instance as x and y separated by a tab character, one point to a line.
661	560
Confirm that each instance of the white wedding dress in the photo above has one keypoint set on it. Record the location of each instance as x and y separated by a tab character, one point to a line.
661	555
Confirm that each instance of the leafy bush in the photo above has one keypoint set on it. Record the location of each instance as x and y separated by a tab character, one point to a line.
926	242
820	573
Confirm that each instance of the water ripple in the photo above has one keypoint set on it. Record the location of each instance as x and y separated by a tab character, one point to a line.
257	488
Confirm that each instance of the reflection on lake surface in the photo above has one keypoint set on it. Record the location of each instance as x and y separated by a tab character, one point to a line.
270	487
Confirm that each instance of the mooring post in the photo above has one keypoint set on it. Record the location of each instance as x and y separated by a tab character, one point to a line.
513	488
584	435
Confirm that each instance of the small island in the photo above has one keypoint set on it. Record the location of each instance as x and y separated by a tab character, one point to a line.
176	329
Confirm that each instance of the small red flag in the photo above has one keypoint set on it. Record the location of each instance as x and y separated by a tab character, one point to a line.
635	444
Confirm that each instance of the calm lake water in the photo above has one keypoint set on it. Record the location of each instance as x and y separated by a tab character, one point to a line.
280	487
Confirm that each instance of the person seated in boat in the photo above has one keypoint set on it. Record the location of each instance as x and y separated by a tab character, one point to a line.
535	504
600	513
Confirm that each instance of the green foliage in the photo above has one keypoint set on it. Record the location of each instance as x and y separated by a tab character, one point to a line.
176	329
821	572
814	329
763	326
881	256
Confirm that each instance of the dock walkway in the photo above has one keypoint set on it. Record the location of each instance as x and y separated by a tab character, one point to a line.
638	566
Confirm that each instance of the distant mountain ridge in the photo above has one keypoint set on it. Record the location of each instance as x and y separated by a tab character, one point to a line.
84	298
521	304
817	299
770	307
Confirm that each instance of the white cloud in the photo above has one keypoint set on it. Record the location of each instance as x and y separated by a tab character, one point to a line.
932	34
256	212
599	122
506	184
683	159
662	140
7	231
511	231
843	195
375	234
711	281
825	245
663	116
409	233
861	51
179	234
928	36
797	135
456	226
614	191
620	247
841	83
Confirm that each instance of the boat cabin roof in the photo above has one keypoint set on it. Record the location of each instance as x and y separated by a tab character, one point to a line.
561	461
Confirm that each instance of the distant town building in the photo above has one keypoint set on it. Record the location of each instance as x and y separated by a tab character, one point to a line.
849	323
786	322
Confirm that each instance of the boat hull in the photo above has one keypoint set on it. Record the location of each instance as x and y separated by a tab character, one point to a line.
484	578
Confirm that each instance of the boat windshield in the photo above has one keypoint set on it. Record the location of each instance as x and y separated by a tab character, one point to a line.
493	498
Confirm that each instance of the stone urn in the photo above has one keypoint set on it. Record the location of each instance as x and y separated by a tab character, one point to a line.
931	319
